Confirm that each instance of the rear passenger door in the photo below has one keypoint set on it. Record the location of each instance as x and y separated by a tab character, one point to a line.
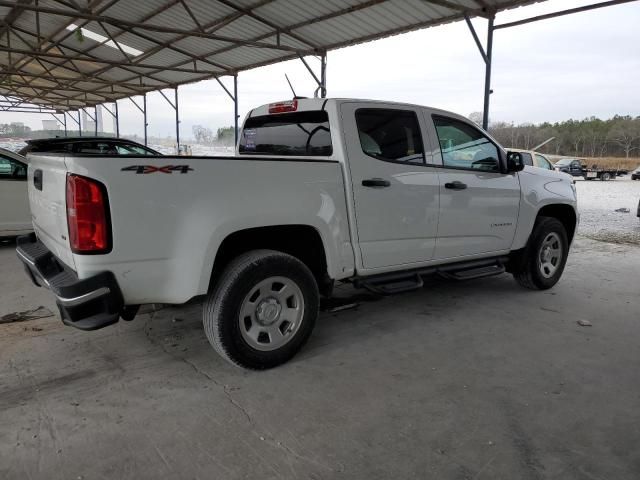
478	203
395	187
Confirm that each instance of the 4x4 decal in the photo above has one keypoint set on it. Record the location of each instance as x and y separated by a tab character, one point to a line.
142	169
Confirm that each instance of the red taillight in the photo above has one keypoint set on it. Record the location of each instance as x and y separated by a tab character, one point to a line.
87	215
281	107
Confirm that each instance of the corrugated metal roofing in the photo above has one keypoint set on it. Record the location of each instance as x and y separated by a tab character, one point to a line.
64	58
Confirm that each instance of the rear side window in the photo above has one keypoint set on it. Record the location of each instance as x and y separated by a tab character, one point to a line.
54	147
96	148
126	149
391	135
296	133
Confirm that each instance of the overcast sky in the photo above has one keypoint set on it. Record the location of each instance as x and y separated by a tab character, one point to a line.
569	67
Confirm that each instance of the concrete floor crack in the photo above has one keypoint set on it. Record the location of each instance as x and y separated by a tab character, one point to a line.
198	370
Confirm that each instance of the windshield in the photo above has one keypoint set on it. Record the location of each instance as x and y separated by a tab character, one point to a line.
298	133
564	161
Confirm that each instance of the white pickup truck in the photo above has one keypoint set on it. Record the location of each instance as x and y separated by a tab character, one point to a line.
377	194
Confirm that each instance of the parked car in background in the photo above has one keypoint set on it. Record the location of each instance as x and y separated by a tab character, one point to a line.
574	167
15	217
533	159
87	146
635	175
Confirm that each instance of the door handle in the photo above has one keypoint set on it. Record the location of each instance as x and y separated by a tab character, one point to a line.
457	185
376	182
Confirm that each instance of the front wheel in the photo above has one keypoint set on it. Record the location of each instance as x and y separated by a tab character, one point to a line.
262	310
543	259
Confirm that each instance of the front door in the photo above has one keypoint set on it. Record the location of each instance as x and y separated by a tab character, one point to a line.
395	187
478	204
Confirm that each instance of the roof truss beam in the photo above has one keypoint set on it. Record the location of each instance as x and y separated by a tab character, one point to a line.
155	28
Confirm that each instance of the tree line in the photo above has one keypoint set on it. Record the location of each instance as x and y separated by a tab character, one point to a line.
616	137
14	130
204	135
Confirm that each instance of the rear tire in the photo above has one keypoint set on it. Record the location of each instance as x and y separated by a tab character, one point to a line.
262	310
542	261
605	177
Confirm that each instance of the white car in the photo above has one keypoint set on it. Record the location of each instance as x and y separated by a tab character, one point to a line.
534	159
15	218
376	194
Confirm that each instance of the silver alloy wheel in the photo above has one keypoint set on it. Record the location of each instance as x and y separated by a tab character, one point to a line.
271	313
550	255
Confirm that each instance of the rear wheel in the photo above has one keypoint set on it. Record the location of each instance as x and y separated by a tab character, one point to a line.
543	259
605	177
262	310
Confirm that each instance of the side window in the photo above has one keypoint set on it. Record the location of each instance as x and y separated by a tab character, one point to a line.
390	135
49	148
463	146
124	149
96	148
527	159
543	162
12	169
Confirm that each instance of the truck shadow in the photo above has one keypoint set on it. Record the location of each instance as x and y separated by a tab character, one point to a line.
350	318
7	243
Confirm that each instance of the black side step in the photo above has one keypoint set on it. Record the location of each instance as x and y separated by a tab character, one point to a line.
479	272
390	283
390	287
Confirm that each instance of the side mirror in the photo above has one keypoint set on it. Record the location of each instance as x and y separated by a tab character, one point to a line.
514	162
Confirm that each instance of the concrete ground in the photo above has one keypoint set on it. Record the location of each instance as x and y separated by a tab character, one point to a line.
474	380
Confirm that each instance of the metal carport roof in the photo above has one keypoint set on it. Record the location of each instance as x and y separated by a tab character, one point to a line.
67	54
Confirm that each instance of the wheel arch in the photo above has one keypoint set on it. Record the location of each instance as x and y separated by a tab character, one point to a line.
301	241
566	214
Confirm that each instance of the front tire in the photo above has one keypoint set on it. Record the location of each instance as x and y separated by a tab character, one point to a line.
543	259
262	310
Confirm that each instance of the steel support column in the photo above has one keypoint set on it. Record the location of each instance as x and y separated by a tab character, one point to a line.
235	109
142	109
321	82
486	56
323	75
234	98
95	119
144	116
114	114
487	75
117	119
63	121
77	122
175	106
177	119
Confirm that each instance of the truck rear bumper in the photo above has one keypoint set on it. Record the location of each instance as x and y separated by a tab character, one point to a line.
86	304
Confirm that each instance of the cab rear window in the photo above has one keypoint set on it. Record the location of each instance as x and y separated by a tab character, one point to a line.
296	133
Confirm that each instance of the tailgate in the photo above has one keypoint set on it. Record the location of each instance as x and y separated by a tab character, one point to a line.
47	199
